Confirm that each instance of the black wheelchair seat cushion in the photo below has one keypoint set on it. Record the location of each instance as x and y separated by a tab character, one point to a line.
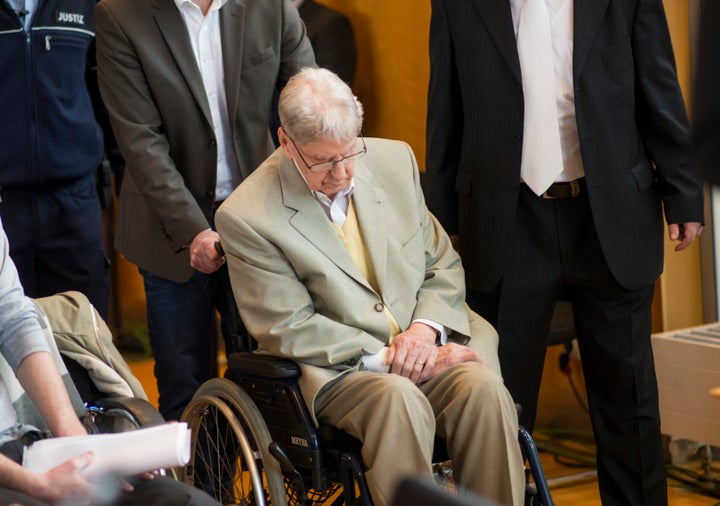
264	366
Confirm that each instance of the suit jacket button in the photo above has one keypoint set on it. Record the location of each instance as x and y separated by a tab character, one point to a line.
379	307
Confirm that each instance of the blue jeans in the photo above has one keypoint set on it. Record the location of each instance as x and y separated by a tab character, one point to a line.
182	333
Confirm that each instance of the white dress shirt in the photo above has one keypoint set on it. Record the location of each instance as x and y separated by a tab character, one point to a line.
204	33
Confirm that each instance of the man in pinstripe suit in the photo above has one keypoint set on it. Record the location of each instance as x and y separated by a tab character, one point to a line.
595	234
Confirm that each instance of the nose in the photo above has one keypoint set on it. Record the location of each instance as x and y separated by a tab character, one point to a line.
339	169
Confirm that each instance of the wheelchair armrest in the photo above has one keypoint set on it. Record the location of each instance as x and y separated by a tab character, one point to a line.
265	366
144	413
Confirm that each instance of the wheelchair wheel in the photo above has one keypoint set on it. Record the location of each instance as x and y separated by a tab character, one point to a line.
120	414
230	458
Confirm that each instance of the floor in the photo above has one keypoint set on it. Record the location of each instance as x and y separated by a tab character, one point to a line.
570	484
577	486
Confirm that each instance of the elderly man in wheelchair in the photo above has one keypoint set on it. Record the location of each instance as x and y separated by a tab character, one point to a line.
337	264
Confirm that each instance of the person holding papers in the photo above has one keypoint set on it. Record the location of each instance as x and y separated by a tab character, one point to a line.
25	348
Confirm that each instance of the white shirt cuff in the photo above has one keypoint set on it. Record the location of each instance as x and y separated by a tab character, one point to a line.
377	362
436	326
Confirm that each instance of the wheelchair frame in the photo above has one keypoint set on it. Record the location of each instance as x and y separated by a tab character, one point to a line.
257	414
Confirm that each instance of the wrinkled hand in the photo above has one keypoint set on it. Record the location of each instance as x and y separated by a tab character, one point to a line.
203	255
412	353
65	483
454	353
685	233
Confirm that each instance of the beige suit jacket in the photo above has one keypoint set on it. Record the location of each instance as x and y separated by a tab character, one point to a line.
300	293
159	111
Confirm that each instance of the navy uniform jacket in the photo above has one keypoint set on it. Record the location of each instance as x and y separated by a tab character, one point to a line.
49	132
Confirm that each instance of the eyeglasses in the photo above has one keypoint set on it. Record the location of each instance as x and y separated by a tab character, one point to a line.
321	167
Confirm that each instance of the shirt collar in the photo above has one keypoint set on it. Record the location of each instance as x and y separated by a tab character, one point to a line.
215	5
345	194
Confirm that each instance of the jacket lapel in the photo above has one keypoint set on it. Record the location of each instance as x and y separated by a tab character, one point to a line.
368	202
174	32
312	223
232	27
497	18
588	14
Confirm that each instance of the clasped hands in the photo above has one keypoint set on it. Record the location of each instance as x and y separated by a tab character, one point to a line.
414	354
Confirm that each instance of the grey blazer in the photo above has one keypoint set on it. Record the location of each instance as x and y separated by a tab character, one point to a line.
159	112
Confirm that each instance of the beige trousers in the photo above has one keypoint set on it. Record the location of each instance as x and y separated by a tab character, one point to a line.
396	420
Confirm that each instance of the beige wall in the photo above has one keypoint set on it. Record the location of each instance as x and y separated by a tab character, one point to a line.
678	302
393	66
391	81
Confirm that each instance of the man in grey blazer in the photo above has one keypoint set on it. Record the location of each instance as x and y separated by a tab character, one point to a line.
188	87
336	263
595	234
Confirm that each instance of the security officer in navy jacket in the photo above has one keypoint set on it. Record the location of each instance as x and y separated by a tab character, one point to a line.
50	148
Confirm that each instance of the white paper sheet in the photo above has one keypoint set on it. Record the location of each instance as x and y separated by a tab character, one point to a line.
124	453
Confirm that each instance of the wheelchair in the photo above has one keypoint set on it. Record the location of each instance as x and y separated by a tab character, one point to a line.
255	443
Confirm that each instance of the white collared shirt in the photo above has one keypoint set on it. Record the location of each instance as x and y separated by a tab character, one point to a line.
204	33
561	29
336	209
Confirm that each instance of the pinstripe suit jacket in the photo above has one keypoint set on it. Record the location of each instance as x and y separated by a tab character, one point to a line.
298	290
631	120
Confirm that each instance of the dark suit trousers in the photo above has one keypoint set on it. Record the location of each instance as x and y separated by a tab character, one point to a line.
556	251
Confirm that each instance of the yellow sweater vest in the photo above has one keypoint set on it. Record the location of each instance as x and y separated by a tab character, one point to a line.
352	238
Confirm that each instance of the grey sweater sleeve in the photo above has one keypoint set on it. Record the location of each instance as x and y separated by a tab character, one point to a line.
20	331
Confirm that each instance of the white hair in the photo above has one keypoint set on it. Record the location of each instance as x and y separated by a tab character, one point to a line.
316	104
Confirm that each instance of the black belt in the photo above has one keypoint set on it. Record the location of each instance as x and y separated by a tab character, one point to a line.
565	190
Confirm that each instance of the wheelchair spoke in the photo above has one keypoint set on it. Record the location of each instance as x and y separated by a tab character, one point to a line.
227	457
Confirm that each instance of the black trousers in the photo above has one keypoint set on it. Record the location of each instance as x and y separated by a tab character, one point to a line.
556	251
56	239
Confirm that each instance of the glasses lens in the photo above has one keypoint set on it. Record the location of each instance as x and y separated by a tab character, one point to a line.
328	166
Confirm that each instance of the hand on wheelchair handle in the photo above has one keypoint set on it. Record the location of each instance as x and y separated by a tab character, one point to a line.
204	253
